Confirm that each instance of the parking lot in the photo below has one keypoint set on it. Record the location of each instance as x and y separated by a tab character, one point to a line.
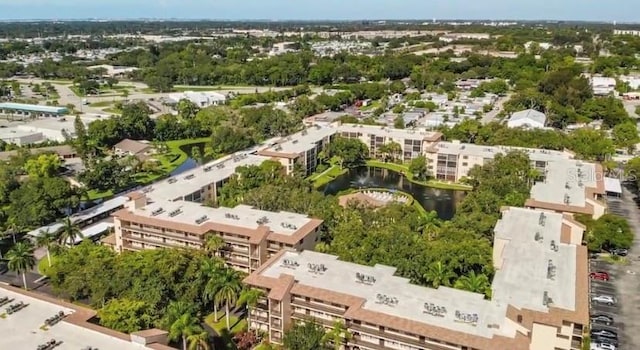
624	281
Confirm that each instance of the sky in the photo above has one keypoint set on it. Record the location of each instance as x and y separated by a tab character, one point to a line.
592	10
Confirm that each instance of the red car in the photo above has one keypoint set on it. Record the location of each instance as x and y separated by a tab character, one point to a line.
602	276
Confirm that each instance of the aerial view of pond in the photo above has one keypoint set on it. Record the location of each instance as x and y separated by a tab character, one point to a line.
444	202
190	163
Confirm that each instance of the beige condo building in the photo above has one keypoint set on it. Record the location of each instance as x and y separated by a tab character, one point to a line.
539	299
251	236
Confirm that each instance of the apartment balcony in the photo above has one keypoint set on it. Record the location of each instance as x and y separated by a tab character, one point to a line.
138	239
413	341
160	234
303	317
338	311
576	344
578	332
258	318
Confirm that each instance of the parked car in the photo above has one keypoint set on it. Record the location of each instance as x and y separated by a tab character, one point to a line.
603	346
602	319
605	333
604	299
603	342
619	252
599	275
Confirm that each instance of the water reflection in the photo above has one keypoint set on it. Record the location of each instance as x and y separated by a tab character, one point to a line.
444	202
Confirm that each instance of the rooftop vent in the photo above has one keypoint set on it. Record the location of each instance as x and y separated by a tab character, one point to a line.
365	279
220	166
554	245
567	199
538	237
542	219
202	219
551	270
386	300
546	300
434	310
567	186
157	212
189	177
290	264
466	318
317	269
208	168
172	180
288	226
263	220
175	212
579	164
304	132
580	183
231	216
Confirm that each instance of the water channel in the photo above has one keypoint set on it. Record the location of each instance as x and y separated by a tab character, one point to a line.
444	202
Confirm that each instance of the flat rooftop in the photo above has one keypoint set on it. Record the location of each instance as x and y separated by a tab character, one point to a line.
32	108
22	330
340	277
302	141
534	261
194	180
244	216
469	149
413	134
15	132
565	183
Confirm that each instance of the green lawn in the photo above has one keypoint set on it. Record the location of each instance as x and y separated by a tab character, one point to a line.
43	265
237	324
113	110
101	104
95	194
320	179
373	105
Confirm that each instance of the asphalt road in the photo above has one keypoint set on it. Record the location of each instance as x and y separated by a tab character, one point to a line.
497	108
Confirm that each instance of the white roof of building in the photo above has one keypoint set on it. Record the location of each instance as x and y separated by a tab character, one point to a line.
534	265
22	330
15	132
529	114
244	216
384	131
340	277
490	152
302	141
199	97
194	180
612	185
602	81
95	230
565	183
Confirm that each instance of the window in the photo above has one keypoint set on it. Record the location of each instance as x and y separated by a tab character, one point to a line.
519	318
465	164
465	157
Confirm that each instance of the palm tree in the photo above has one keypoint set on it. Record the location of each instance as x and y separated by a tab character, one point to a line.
198	341
46	240
249	297
69	232
210	270
213	244
338	335
183	327
21	259
476	283
12	229
438	275
229	287
174	311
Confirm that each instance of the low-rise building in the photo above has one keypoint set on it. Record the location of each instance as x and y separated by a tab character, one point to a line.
301	148
603	86
31	111
138	149
539	298
199	98
529	119
251	236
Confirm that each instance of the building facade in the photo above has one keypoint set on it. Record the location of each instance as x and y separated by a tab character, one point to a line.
250	236
539	295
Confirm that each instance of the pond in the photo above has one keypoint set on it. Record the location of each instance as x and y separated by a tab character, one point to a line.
191	163
444	202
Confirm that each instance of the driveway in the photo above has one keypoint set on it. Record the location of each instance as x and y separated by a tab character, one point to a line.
497	108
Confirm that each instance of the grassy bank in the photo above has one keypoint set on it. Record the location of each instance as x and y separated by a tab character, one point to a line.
237	324
323	178
404	169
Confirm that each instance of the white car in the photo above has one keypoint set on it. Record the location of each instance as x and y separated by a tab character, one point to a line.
604	299
602	347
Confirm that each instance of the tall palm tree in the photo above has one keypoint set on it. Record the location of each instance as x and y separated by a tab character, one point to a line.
338	335
229	287
12	229
174	311
183	327
439	275
210	271
198	341
249	297
69	232
476	283
21	259
213	244
46	240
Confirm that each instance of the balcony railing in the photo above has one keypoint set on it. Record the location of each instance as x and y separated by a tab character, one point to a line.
410	340
336	310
